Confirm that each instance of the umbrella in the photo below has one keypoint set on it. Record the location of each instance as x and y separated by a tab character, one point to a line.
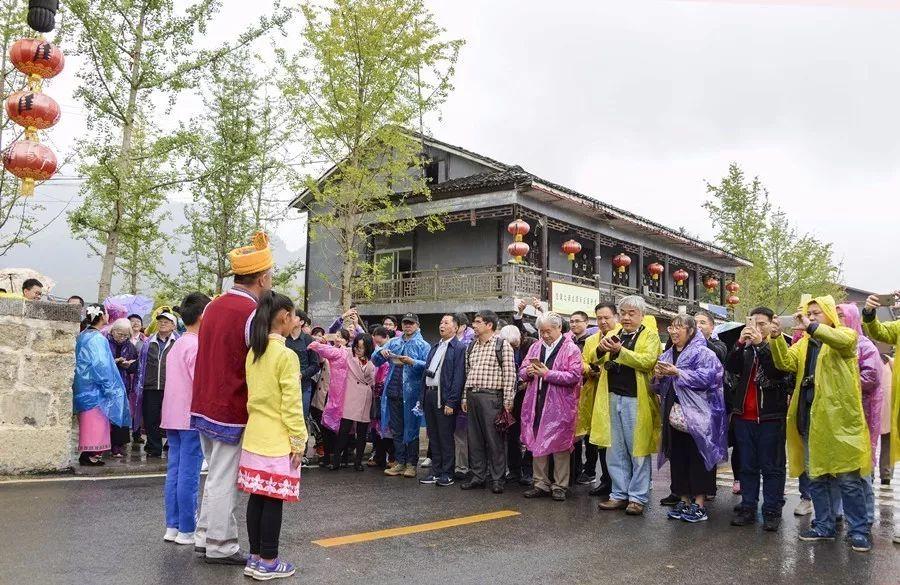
130	304
729	332
12	279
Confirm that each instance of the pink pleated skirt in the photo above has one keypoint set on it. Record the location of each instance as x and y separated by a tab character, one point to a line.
273	477
93	431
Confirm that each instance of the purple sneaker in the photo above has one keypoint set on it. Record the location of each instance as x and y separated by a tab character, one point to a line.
278	569
252	563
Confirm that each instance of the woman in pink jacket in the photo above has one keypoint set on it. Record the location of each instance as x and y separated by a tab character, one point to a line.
552	369
349	394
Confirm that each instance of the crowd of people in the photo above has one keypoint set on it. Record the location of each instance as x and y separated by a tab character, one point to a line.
248	384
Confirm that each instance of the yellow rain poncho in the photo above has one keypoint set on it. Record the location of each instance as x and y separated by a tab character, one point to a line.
889	333
838	434
648	428
589	388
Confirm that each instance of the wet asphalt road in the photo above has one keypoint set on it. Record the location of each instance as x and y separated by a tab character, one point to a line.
110	532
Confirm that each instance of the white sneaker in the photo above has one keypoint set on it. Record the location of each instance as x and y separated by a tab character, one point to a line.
184	538
426	462
804	508
170	534
204	466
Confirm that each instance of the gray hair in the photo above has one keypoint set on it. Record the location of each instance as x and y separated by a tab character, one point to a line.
123	325
633	302
686	321
511	334
551	319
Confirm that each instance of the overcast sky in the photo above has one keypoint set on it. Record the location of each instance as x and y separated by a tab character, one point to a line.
638	103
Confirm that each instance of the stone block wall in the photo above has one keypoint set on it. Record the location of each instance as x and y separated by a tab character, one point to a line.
37	362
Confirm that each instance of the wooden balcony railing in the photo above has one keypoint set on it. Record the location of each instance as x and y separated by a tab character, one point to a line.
479	282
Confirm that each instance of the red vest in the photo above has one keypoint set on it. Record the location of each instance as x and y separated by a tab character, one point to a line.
220	381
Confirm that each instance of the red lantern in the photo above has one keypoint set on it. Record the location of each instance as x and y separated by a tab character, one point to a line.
518	229
733	287
732	300
37	59
622	261
655	270
711	283
680	276
31	162
571	247
33	111
518	250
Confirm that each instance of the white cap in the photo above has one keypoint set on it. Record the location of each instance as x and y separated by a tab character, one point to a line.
168	316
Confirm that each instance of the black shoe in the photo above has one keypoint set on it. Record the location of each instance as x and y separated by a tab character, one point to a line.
460	476
585	479
200	550
497	487
333	467
771	522
745	517
535	493
559	495
602	490
359	467
238	558
885	481
669	500
471	485
526	480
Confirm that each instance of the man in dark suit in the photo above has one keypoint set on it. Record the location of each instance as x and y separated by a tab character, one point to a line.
442	385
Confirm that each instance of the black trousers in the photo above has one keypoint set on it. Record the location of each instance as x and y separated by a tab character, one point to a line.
264	525
519	464
343	440
487	449
440	429
384	451
689	474
152	411
119	436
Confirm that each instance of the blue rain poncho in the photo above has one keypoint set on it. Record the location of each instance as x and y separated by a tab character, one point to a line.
97	380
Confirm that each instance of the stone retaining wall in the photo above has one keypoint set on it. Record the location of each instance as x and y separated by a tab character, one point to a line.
37	361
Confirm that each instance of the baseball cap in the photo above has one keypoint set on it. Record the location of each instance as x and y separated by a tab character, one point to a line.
410	318
168	316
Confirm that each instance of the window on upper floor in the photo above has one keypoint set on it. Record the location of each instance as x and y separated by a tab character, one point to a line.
434	172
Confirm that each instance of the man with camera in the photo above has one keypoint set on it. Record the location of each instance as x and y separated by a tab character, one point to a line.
888	333
759	401
626	416
827	434
442	384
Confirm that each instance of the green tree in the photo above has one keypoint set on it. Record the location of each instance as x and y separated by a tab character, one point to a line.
239	153
786	262
137	55
367	69
18	214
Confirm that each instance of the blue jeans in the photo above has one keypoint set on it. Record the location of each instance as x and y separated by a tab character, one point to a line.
762	452
307	399
805	482
852	489
183	480
630	475
870	499
404	453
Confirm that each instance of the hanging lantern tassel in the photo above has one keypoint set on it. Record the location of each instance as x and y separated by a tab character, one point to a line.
518	250
655	270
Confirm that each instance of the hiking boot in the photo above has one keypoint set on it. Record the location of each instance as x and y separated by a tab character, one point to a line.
535	492
410	471
395	470
559	495
746	517
771	522
634	509
613	504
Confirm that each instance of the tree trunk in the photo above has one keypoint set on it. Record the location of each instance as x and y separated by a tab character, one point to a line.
112	242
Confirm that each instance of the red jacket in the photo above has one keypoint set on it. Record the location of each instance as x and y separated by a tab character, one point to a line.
219	405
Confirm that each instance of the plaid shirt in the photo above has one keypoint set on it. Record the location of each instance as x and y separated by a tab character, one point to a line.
483	372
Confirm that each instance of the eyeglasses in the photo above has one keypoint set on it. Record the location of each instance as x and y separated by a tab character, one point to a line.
676	327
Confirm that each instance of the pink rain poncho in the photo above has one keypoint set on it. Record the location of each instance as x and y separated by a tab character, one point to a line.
870	372
698	387
555	432
337	383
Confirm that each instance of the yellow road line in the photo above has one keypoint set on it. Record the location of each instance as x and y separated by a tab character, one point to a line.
404	530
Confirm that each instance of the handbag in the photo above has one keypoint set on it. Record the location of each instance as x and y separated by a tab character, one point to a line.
503	421
676	418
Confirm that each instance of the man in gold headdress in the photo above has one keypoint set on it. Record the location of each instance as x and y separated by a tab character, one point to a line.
219	406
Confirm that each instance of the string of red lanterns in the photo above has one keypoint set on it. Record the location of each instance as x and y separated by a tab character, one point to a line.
733	288
680	276
571	247
621	262
27	158
656	269
518	249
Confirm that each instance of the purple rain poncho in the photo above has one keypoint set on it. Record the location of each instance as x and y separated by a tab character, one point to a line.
698	387
556	430
133	394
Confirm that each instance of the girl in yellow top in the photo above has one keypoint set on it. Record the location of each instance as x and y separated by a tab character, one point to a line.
275	437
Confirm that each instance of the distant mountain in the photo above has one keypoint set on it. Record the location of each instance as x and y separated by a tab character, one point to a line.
57	254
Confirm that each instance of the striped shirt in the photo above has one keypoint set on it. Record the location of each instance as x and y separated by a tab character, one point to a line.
484	373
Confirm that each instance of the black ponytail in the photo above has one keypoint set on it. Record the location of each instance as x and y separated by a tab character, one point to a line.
269	306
